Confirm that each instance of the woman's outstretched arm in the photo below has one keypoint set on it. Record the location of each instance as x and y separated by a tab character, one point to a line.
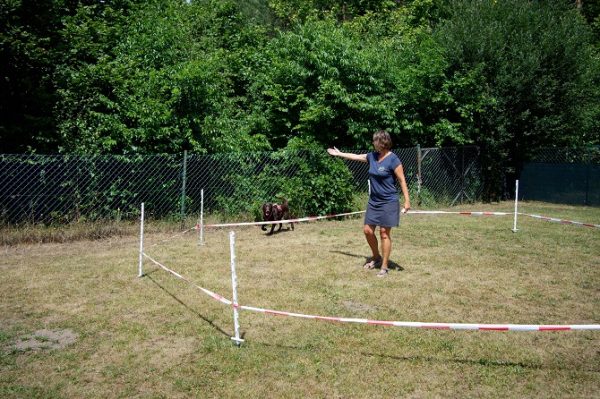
347	155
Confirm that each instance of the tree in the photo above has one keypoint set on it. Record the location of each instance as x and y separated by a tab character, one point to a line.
337	83
28	36
521	75
162	81
291	12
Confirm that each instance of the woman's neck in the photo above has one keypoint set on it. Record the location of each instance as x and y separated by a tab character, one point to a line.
382	154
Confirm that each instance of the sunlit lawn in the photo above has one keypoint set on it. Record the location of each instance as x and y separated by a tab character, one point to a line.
159	336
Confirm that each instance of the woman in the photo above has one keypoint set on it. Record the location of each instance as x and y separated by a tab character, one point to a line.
383	210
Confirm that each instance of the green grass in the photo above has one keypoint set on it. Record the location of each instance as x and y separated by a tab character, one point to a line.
158	336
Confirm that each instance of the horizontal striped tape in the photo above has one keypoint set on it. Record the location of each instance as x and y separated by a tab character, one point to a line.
434	326
411	324
411	212
204	290
562	221
312	218
468	213
305	219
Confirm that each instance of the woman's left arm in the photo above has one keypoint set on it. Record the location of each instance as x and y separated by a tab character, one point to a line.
399	172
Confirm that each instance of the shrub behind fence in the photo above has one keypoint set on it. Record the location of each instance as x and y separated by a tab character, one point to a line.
63	189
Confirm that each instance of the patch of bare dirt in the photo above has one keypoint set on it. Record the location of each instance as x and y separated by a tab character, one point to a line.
358	307
46	339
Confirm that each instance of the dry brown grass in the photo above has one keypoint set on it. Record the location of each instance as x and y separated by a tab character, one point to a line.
158	336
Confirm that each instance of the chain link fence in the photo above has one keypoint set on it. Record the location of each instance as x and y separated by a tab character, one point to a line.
435	176
63	189
561	175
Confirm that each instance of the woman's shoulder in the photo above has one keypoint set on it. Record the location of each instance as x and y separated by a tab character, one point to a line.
394	157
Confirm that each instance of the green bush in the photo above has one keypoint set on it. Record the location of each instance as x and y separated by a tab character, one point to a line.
313	182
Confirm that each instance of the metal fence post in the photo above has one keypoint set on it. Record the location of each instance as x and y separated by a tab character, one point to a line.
183	182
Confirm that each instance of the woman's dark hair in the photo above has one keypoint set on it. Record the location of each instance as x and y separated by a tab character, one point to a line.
382	140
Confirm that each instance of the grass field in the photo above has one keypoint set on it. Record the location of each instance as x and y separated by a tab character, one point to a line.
77	322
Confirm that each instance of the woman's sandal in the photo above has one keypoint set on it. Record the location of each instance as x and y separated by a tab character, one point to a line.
372	264
383	273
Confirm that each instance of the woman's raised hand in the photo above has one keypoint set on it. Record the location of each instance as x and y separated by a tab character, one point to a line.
333	151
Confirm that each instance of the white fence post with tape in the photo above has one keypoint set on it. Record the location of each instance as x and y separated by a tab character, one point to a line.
140	271
236	323
514	229
201	223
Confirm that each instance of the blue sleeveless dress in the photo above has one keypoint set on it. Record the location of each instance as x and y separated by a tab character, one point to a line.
383	208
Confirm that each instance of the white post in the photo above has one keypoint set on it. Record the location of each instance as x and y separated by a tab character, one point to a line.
140	271
201	227
369	184
514	229
236	323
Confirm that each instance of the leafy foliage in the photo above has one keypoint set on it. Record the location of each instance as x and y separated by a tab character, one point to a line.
210	76
294	11
167	83
27	30
337	84
313	182
520	75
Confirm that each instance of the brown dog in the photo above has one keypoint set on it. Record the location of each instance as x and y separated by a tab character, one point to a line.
274	212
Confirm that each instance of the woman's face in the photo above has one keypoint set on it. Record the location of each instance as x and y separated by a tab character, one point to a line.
377	145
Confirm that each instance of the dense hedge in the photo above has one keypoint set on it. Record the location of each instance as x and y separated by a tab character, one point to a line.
212	76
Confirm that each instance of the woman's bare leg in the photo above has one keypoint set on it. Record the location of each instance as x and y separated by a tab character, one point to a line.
386	245
369	231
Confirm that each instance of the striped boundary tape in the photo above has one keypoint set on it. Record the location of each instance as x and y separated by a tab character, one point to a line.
464	213
409	324
562	221
305	219
546	218
211	294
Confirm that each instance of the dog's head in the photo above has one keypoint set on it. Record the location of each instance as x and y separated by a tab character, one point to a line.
268	210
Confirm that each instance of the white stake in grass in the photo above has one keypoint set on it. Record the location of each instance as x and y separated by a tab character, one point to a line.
140	271
236	323
514	229
201	224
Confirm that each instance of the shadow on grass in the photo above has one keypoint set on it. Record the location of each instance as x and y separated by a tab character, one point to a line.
429	359
276	230
305	348
471	362
392	265
210	322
